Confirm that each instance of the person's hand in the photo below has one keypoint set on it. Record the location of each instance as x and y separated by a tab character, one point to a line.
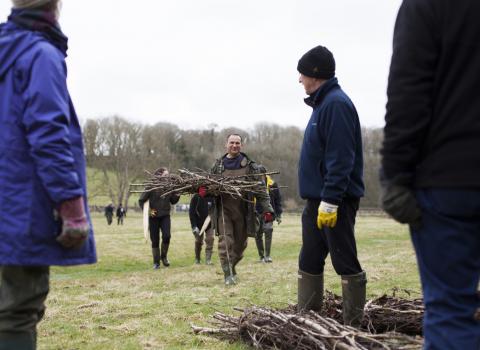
327	215
202	191
75	226
278	219
267	217
400	203
196	231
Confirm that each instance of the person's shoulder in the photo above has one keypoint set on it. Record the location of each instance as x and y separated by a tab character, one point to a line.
220	159
251	163
217	164
337	96
339	102
46	57
46	51
246	159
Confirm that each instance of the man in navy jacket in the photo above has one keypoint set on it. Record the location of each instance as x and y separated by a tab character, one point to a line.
330	174
431	160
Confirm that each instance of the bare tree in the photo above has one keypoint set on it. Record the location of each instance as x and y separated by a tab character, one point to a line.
113	147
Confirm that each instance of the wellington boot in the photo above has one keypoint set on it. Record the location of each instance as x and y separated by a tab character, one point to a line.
310	291
259	243
234	272
228	276
354	297
18	340
164	253
268	245
156	258
208	258
198	251
165	261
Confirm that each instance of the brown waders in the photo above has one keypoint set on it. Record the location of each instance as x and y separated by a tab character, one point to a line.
232	230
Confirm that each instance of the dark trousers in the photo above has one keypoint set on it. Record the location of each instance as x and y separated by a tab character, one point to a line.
339	241
23	291
162	223
448	254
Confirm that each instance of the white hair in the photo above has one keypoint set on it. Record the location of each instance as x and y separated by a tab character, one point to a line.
23	4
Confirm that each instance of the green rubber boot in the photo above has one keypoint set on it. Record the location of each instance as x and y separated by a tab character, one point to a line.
310	291
228	275
208	258
354	298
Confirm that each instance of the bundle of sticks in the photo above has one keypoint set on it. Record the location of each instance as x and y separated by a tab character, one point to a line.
288	328
188	182
382	314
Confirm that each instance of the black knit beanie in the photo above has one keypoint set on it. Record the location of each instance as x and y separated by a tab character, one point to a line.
317	63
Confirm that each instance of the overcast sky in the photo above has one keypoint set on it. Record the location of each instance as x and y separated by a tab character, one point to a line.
227	62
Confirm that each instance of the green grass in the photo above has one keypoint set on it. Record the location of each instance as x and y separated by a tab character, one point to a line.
121	303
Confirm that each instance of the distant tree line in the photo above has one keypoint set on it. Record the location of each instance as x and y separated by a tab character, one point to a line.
119	151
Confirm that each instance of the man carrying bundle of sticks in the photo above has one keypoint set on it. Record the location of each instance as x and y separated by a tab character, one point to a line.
234	218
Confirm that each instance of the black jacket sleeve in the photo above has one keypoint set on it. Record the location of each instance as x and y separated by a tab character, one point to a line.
174	198
192	211
143	198
276	199
410	90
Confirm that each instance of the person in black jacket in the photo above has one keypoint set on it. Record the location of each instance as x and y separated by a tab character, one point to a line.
431	161
120	214
159	220
198	212
267	227
330	174
109	213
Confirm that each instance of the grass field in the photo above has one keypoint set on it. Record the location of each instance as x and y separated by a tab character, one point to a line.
122	303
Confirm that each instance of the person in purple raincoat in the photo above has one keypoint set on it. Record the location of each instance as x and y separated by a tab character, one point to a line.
45	219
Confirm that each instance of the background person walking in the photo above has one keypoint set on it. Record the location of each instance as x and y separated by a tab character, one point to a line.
264	251
120	214
198	213
159	220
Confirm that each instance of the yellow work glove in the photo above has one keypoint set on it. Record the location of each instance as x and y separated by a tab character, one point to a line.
327	215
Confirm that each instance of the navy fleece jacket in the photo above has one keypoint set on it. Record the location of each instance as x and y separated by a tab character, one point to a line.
331	160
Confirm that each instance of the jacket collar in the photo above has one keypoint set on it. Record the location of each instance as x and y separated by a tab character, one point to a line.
317	97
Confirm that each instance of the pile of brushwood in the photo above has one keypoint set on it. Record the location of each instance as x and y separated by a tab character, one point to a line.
390	323
188	182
